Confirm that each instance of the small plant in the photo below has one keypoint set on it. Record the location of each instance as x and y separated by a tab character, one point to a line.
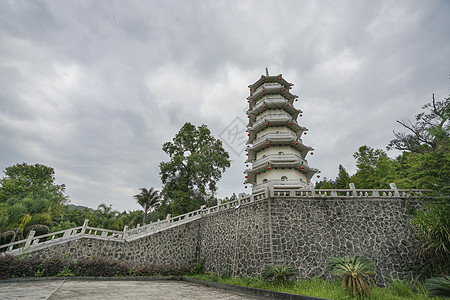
65	272
355	271
131	272
438	286
39	273
199	268
400	288
224	273
280	275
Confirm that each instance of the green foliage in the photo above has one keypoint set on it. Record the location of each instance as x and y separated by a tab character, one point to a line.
315	287
429	133
400	288
432	224
29	200
22	179
197	161
438	286
430	170
354	271
279	275
343	178
374	169
33	266
65	272
148	199
199	267
224	273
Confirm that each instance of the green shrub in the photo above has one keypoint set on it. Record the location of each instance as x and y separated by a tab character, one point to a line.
224	273
400	288
33	266
199	268
432	226
65	272
354	271
279	275
438	286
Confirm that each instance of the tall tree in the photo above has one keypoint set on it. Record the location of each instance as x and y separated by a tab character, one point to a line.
375	168
22	179
148	199
343	179
429	132
197	161
29	199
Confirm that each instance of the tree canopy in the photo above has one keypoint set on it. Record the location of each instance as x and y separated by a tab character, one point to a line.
197	162
29	199
429	133
23	179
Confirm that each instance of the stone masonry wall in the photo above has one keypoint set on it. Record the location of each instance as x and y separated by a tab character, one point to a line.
177	246
303	232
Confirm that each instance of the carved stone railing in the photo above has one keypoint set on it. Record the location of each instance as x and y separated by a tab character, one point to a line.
34	243
42	241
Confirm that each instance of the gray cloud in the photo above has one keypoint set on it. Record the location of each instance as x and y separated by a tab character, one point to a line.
94	89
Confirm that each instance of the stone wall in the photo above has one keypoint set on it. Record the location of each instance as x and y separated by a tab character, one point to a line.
303	232
175	246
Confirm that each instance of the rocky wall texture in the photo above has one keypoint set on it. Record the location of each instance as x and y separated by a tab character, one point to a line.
306	233
177	246
285	231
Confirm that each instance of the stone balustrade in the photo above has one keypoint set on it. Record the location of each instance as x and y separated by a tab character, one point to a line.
34	243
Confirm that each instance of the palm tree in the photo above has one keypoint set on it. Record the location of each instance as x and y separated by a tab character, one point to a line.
148	199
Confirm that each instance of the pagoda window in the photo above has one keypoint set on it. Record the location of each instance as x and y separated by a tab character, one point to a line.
281	153
264	181
284	178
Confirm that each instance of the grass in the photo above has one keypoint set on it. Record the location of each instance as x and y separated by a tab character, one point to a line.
317	287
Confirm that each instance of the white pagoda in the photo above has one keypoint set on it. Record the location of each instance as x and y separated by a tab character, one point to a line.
275	149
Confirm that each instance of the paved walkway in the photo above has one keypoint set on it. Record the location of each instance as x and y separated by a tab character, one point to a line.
80	289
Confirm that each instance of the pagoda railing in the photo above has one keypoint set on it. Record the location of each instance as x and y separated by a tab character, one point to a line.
273	103
273	136
278	159
277	188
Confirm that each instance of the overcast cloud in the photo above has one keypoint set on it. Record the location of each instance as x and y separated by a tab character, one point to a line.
94	88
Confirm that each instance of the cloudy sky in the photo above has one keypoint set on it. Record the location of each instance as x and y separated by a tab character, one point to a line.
94	88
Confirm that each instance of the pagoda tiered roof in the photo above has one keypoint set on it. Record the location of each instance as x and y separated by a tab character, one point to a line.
264	79
265	90
274	161
274	120
272	104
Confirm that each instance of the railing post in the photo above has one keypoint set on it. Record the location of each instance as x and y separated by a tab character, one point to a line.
353	188
29	239
67	234
125	231
394	187
85	224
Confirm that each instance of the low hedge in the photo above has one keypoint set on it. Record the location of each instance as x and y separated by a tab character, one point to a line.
33	266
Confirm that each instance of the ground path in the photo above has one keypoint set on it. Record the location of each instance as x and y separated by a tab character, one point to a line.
98	289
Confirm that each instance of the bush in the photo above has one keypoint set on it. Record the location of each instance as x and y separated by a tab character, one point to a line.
432	226
354	271
400	288
30	266
438	286
199	268
280	275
